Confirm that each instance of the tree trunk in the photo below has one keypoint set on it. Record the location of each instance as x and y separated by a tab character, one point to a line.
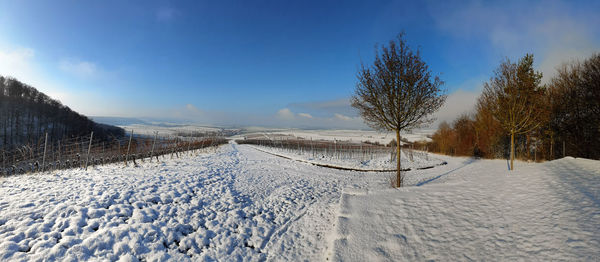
398	166
551	146
527	144
512	150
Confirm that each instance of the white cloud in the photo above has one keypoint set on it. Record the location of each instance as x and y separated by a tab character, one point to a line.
16	61
285	114
20	64
457	103
342	117
327	107
555	31
79	68
284	118
305	115
192	108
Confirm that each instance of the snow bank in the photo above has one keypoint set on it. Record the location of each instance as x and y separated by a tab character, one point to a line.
477	211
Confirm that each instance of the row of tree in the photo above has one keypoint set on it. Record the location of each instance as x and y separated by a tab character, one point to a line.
517	116
27	114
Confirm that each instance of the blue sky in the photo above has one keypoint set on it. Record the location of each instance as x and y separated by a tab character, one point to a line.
271	63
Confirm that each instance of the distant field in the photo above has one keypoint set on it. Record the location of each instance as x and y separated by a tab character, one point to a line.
163	129
384	138
345	135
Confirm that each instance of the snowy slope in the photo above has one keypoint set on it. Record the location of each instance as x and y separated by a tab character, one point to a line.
477	210
243	204
238	204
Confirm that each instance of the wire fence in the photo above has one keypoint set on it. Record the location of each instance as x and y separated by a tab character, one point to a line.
81	152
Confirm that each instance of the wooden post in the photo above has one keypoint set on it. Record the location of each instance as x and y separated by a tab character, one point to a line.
512	150
334	148
152	150
173	148
362	154
564	150
161	149
312	147
551	145
87	159
128	147
189	143
44	157
118	150
59	153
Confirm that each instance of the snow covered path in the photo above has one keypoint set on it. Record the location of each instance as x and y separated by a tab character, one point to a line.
237	204
477	210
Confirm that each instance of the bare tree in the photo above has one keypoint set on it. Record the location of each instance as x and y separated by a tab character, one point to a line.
513	95
398	92
575	107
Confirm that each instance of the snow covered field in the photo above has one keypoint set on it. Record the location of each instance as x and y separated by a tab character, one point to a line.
477	210
165	130
244	204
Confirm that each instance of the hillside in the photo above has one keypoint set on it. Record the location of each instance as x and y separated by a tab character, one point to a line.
26	114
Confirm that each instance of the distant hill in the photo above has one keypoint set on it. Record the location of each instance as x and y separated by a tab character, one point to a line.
26	114
118	121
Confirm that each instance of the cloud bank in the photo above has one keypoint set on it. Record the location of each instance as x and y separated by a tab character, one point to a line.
83	69
555	31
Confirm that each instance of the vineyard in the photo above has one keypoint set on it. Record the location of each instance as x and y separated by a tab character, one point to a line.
344	154
81	152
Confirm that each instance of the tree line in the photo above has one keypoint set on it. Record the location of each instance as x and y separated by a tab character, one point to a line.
518	117
27	114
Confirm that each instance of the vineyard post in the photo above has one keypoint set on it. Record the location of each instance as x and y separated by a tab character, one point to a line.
172	148
87	159
178	146
362	154
161	149
128	147
152	150
118	150
4	159
312	147
189	143
103	153
334	148
44	157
